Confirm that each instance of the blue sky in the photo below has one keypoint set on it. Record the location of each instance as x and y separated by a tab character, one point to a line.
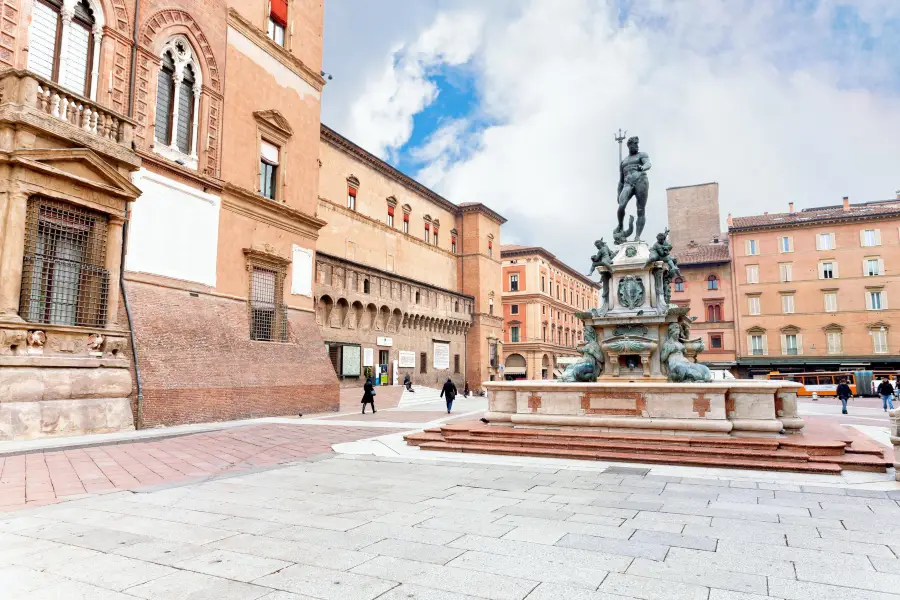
512	102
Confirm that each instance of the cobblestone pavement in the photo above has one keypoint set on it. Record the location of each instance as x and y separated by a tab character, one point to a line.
359	527
47	477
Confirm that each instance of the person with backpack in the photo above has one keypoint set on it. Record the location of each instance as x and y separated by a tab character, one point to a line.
368	396
449	393
886	391
843	392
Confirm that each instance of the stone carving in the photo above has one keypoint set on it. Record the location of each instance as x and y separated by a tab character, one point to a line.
591	363
13	341
36	340
692	347
115	346
680	368
662	251
633	183
631	291
630	251
624	345
95	343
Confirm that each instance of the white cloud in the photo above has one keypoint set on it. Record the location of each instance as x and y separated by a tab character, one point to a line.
750	94
381	119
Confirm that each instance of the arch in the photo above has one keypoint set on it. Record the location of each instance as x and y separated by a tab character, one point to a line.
120	13
456	306
712	282
371	317
180	21
353	180
343	311
356	314
384	317
678	284
367	287
325	306
396	320
418	297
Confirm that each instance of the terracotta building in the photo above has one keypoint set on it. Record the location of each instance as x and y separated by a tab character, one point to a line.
818	288
704	260
405	279
541	295
112	127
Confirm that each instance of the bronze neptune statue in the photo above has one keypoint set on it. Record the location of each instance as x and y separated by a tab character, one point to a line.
633	183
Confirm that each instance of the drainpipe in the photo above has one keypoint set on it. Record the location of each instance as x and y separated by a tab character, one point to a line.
139	419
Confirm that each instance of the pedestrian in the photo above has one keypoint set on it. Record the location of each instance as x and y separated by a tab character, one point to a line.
886	391
843	393
448	392
407	381
466	390
368	396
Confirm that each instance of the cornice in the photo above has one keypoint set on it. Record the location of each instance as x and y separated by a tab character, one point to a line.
172	168
848	218
549	256
481	208
254	206
282	55
340	142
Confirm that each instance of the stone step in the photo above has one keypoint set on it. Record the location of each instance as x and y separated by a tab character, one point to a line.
871	463
641	457
627	446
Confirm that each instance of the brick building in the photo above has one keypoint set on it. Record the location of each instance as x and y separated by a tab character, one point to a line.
405	279
113	128
818	288
541	295
703	255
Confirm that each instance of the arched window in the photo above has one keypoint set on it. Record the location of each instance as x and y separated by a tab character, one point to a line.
456	306
178	86
679	284
64	43
418	297
366	287
712	282
714	313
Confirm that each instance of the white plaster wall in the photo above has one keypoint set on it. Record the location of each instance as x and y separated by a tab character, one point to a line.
174	230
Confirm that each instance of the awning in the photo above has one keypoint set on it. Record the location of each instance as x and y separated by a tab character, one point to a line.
514	371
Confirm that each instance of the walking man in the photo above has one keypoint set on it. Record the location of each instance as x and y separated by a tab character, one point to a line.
843	394
448	392
368	396
886	391
407	381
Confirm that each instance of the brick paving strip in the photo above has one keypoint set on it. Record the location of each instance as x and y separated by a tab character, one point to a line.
49	476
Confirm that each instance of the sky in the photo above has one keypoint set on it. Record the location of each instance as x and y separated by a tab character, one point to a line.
514	103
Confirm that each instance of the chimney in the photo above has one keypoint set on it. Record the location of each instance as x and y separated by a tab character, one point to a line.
846	202
730	220
791	207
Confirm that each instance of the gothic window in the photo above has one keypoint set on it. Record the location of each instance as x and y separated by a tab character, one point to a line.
679	284
712	282
64	46
178	87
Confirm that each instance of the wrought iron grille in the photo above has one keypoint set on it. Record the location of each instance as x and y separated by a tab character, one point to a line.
268	317
64	280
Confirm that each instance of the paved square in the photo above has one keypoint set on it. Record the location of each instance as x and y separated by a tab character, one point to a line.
354	527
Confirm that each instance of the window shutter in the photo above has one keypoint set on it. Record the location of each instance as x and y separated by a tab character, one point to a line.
834	270
791	243
765	343
821	270
881	266
884	302
747	247
42	39
164	92
185	112
750	345
877	237
862	237
799	343
832	240
868	301
818	242
865	267
783	344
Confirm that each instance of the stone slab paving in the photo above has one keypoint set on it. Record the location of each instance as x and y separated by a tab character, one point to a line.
49	476
357	527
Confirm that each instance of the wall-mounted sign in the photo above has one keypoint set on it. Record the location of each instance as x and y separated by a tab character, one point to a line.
407	359
350	361
384	341
441	355
368	357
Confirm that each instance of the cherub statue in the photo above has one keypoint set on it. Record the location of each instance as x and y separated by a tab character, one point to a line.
620	236
603	258
662	250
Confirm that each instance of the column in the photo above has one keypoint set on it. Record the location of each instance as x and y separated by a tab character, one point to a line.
95	68
12	254
113	260
66	15
196	124
179	77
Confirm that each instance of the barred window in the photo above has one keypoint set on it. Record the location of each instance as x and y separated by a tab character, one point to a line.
64	279
268	316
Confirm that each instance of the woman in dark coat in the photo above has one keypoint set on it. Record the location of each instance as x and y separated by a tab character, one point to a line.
368	396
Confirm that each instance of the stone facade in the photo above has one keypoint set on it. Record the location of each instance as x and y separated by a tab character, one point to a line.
541	295
824	282
384	227
85	161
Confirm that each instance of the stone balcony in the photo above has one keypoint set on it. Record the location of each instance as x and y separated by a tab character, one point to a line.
30	100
